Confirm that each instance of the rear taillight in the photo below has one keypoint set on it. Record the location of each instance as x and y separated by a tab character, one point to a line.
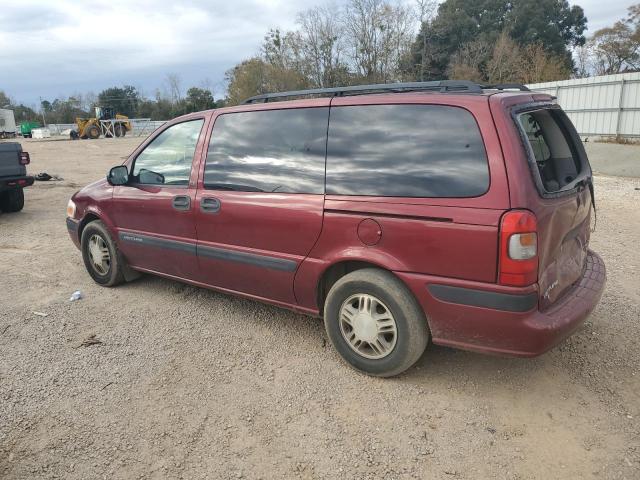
518	249
24	158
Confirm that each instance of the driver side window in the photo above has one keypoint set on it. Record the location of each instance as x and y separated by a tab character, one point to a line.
167	159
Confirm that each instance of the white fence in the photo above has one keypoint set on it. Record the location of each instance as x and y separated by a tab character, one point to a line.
607	105
140	126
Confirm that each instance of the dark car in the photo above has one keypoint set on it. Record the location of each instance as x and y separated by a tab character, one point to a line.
13	176
399	213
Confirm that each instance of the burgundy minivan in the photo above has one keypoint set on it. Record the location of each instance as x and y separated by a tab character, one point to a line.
399	213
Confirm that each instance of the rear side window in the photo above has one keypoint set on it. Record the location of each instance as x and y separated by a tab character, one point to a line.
549	139
405	151
268	151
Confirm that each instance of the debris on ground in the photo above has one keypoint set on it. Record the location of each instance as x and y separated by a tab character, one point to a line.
90	340
45	177
77	295
40	314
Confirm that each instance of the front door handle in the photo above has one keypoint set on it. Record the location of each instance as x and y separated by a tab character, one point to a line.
210	205
181	202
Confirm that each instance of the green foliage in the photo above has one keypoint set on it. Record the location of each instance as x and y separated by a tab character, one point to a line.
199	99
124	100
551	23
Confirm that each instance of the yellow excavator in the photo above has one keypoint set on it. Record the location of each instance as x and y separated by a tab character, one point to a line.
106	123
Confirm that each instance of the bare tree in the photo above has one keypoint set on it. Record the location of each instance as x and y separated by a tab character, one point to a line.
377	33
467	63
504	65
583	60
173	83
425	12
537	65
322	44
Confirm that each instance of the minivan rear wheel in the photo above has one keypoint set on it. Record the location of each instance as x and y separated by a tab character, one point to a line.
375	323
101	257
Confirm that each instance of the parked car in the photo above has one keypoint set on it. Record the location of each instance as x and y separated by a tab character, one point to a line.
13	176
399	213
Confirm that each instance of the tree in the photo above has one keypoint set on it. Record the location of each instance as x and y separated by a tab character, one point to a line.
4	99
199	99
124	100
616	49
173	83
470	61
378	36
506	62
457	23
504	65
322	44
425	12
538	65
551	23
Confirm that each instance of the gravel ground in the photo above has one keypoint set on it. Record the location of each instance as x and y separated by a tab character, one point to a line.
189	383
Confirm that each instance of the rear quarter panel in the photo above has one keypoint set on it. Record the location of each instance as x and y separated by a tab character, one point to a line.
444	237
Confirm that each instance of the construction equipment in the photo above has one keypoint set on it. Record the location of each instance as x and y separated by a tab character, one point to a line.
106	123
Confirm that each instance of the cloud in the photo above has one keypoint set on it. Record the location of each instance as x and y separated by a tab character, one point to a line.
60	47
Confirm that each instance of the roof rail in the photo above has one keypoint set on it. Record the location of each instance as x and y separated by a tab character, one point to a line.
443	86
507	86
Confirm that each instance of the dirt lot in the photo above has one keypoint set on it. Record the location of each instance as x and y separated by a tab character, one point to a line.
188	383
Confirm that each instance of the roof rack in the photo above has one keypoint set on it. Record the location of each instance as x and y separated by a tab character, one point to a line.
442	86
507	86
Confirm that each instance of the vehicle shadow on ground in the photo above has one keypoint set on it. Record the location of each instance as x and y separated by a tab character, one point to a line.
437	363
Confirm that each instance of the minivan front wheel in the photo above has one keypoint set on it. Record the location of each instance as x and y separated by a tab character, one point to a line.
375	323
101	256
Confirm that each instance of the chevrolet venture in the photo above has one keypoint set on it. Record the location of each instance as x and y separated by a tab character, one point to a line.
402	213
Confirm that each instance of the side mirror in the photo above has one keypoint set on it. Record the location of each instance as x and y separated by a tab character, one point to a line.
118	175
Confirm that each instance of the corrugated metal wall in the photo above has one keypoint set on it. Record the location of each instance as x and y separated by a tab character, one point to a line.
606	105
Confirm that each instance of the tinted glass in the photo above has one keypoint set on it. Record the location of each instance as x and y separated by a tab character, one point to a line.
405	151
268	151
167	159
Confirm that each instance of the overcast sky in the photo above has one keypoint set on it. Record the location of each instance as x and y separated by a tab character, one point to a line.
55	48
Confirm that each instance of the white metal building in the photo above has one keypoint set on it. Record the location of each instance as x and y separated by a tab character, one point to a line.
607	105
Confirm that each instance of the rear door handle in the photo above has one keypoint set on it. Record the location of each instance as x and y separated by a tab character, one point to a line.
210	205
181	202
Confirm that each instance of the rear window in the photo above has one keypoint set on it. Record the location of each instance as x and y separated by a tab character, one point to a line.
268	151
551	144
405	151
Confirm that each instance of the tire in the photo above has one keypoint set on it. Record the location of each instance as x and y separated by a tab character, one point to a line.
411	334
113	274
12	200
93	132
119	130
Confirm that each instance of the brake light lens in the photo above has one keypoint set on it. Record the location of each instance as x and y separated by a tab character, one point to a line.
24	158
518	249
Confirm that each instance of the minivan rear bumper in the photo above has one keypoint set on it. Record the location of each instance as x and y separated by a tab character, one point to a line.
504	320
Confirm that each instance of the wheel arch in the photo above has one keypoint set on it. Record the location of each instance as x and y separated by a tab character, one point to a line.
339	269
88	218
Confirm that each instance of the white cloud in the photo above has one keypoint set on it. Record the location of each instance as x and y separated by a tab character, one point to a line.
57	47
